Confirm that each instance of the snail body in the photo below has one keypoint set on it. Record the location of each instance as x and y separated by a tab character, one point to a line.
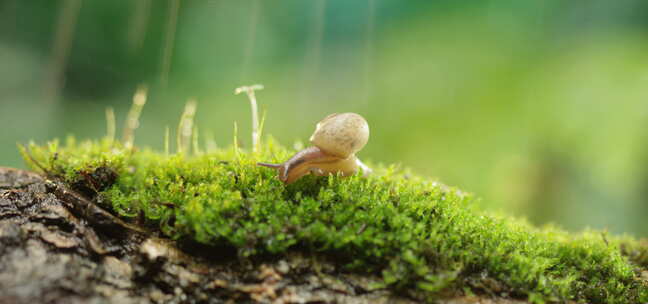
335	141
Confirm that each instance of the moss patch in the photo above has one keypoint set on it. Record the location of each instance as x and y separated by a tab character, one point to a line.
422	236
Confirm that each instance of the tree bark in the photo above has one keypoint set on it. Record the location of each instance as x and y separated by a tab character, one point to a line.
57	246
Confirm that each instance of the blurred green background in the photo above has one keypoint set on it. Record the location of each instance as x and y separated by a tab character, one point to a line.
538	107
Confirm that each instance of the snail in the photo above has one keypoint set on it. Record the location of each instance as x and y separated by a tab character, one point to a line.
336	140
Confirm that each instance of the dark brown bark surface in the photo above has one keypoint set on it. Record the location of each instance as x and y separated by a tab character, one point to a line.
57	246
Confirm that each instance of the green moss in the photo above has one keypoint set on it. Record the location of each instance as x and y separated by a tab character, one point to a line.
420	235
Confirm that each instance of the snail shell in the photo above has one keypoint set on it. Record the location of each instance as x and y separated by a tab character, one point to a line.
341	135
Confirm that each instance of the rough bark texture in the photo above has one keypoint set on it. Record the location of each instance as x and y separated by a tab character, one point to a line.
57	246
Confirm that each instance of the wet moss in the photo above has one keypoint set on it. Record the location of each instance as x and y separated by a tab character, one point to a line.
420	235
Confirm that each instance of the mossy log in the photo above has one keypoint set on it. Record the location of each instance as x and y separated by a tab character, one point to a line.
57	246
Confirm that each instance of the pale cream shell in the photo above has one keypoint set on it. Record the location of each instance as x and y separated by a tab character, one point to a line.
341	134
